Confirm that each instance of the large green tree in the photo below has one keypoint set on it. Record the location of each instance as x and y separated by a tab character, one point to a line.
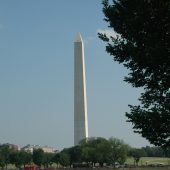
142	45
38	157
75	154
56	159
88	155
16	159
91	151
2	161
4	155
118	152
64	159
25	157
48	159
101	150
95	150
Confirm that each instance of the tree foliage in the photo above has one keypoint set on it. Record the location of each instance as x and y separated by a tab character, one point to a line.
2	161
26	157
38	157
10	155
119	151
136	153
143	47
55	159
75	154
16	159
154	151
5	155
91	152
48	159
96	150
64	159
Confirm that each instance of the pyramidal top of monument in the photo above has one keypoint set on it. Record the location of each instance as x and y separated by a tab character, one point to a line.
78	38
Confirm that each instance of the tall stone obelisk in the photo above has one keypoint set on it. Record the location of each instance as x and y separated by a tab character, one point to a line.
80	99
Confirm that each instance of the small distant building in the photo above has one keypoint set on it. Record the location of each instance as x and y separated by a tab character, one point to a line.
46	149
12	146
28	148
49	149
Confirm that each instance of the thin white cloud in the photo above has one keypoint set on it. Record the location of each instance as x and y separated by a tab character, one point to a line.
108	32
89	39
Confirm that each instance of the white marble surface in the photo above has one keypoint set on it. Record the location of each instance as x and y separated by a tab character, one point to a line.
80	99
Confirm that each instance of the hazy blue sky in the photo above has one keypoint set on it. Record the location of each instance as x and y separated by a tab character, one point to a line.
36	74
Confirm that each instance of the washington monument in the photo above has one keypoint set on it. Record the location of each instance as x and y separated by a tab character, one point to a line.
80	100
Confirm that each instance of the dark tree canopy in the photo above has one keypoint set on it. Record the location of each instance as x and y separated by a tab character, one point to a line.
38	157
143	47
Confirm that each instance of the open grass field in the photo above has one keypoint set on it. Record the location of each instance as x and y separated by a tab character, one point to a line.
150	160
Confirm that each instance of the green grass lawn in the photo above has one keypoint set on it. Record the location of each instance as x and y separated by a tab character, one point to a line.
150	160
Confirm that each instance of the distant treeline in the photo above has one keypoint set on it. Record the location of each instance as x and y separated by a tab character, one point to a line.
90	152
155	152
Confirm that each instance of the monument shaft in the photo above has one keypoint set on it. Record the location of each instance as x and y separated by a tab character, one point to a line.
80	99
